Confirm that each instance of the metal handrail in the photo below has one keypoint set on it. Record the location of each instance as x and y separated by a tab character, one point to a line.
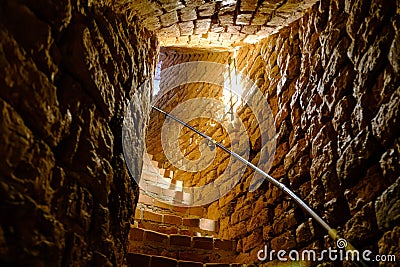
331	231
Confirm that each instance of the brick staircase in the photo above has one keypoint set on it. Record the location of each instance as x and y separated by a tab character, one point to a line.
142	260
193	249
165	234
154	215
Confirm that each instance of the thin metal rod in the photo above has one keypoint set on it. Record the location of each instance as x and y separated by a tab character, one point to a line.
332	232
281	186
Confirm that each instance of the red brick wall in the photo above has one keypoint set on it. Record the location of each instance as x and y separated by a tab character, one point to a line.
332	81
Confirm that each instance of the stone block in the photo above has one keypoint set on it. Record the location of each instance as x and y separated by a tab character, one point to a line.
152	23
134	259
255	239
224	36
388	162
157	261
136	234
351	164
286	241
300	171
168	19
202	26
324	136
187	14
260	19
285	221
197	211
384	125
172	219
248	5
233	29
295	152
389	243
170	32
208	225
243	19
276	21
227	245
362	226
305	232
202	242
194	3
366	190
249	29
216	28
337	211
387	207
180	240
207	10
226	20
155	237
343	111
172	5
151	216
191	222
195	39
280	154
190	264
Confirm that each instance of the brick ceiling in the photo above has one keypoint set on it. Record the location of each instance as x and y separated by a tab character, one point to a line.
217	24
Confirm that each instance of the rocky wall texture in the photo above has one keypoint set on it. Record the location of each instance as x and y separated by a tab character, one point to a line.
215	23
332	81
169	97
67	72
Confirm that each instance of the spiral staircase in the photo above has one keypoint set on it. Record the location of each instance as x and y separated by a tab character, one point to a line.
166	233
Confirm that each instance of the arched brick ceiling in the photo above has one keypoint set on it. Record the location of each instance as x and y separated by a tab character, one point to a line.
215	23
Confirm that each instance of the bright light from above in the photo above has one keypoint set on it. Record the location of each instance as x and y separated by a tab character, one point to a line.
233	89
228	2
157	79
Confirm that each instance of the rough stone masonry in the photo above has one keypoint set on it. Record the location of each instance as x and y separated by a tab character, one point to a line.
332	81
67	71
69	68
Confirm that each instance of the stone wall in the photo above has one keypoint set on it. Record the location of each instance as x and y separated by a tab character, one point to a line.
68	69
215	23
332	81
182	247
169	97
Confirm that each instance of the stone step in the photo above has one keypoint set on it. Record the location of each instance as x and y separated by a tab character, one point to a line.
166	190
145	214
154	167
152	203
182	247
144	260
170	229
140	234
155	215
149	168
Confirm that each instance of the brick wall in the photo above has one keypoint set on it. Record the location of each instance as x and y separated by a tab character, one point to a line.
331	80
200	23
189	141
182	247
67	70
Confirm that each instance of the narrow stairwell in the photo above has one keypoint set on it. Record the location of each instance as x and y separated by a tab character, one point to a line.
167	234
180	248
